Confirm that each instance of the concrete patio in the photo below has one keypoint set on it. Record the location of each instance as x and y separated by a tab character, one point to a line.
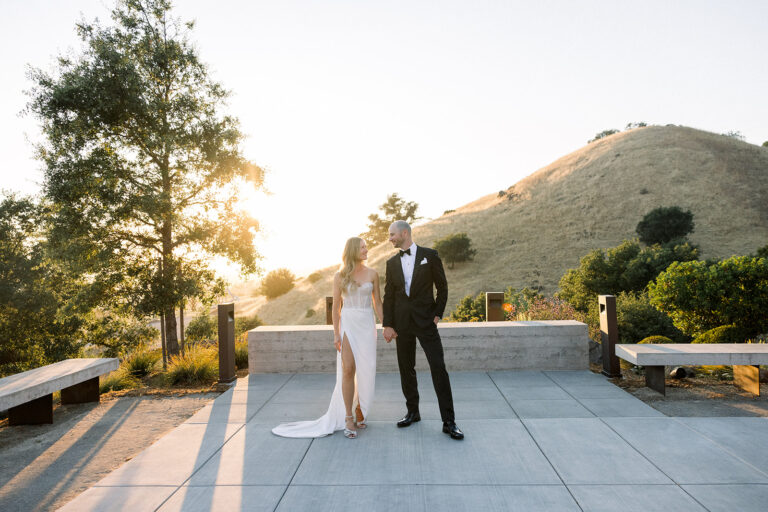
549	441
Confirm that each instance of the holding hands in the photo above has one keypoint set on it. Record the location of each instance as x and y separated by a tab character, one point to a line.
389	334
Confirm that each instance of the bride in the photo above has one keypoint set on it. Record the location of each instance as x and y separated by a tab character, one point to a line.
354	336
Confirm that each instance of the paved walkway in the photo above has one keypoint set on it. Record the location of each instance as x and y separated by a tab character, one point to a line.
536	441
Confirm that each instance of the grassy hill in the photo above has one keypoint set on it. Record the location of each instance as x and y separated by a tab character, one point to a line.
591	198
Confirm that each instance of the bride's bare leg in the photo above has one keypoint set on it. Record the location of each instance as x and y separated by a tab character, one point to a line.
348	379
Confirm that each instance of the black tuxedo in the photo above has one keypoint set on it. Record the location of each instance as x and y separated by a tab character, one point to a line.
412	316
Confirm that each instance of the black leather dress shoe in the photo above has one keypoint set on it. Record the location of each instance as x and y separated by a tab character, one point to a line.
450	428
411	417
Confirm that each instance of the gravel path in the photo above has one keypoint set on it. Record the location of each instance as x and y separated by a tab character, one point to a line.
44	466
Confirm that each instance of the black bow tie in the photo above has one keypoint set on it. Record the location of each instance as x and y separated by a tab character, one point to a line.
407	251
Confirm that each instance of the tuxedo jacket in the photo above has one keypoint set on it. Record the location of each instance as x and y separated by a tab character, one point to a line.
422	306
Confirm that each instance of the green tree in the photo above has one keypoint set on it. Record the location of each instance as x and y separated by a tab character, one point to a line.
394	208
624	268
454	248
765	144
603	134
700	295
42	319
664	224
637	319
277	282
143	170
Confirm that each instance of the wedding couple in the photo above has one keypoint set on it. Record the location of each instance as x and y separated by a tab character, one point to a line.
408	311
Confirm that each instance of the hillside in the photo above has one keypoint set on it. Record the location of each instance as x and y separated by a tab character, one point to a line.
591	198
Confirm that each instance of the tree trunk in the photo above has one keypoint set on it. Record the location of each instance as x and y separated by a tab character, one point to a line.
171	339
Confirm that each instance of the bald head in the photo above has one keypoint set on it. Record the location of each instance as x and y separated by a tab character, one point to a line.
400	234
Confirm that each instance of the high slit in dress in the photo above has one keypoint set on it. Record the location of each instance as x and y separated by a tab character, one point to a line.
359	326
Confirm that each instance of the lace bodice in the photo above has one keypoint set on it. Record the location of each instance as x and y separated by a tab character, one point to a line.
359	298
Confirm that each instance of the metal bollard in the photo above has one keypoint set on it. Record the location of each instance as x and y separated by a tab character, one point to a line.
493	307
329	310
227	343
609	335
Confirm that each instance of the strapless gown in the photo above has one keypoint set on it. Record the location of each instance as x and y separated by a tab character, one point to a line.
359	326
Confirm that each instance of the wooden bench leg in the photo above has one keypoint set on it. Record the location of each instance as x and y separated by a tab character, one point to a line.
87	391
747	377
36	412
654	379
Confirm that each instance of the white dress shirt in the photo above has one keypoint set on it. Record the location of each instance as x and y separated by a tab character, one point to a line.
408	261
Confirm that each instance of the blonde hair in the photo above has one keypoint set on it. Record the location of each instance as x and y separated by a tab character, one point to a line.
350	257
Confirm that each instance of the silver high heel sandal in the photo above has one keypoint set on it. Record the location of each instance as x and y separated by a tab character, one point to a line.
360	423
351	434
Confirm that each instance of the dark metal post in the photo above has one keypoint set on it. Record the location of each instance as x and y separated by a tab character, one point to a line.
227	343
181	322
329	310
162	341
609	335
493	307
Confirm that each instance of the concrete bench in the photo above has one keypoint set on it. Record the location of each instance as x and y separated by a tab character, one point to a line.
744	357
28	396
470	346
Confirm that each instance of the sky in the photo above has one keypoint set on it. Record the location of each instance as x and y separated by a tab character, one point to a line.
442	102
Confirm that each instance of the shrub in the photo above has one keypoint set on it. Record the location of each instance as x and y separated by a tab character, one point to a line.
469	309
626	267
118	335
455	248
118	380
244	324
542	308
198	365
734	134
446	212
638	319
277	283
603	134
141	363
664	224
722	334
241	354
762	252
632	126
700	295
310	313
314	277
655	340
202	328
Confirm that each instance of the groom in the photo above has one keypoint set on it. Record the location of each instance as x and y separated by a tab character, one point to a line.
410	312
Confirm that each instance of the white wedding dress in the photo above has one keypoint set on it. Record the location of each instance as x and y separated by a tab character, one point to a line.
359	326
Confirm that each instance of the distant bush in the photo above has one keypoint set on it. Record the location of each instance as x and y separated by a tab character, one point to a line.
664	224
142	362
502	193
632	126
310	313
277	283
722	334
199	365
314	277
762	252
469	309
702	295
202	328
603	134
655	340
765	144
734	134
244	324
446	212
241	354
638	319
118	380
455	248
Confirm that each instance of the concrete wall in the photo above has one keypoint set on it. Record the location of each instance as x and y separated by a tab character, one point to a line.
476	346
